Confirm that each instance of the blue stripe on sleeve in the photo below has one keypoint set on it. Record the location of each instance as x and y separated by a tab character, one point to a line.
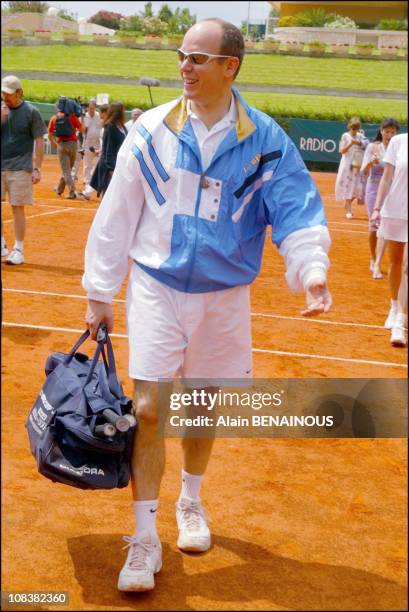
148	175
158	165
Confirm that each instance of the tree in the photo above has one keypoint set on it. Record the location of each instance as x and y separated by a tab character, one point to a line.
132	23
165	13
154	26
184	20
147	10
27	7
107	19
64	14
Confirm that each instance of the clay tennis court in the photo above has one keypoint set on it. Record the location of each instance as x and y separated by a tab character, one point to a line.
297	524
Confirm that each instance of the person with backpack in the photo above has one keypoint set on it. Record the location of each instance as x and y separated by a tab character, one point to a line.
62	133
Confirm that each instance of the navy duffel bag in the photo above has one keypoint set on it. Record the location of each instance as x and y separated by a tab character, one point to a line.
81	428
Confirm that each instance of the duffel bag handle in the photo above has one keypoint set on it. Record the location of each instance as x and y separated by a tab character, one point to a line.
76	346
108	358
110	367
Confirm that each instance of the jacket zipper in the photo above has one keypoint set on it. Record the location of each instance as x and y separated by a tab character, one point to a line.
203	184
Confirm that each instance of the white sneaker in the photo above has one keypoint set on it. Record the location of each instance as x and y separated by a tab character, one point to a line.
143	562
83	195
376	273
398	331
15	258
194	534
389	323
4	251
349	215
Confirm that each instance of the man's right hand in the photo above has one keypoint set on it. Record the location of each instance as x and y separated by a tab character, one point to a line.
97	313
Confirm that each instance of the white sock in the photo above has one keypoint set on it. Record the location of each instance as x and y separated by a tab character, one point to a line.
394	304
191	484
19	244
145	516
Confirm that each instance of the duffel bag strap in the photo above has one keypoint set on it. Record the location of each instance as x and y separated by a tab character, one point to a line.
109	360
76	346
94	362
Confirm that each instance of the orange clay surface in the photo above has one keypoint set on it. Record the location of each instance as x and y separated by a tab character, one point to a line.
297	524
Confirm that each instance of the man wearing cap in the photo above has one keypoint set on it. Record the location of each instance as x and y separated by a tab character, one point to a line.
21	127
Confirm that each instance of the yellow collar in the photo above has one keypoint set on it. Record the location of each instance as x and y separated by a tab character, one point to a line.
177	117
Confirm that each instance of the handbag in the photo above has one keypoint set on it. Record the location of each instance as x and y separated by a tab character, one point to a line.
80	427
357	157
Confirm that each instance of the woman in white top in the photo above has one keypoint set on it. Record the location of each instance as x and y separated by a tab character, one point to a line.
350	182
372	167
391	208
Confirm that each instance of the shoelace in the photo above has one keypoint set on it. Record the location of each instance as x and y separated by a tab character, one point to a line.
193	513
139	552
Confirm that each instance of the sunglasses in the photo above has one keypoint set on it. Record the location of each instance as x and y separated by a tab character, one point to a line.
198	58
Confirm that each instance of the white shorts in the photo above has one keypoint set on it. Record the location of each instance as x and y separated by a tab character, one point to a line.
192	335
393	229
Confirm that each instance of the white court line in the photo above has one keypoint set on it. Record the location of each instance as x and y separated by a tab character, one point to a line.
52	212
65	207
326	357
338	229
349	224
267	351
253	314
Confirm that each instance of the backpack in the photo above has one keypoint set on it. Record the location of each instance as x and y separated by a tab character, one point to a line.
63	127
80	427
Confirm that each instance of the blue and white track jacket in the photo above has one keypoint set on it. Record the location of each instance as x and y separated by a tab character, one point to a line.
203	229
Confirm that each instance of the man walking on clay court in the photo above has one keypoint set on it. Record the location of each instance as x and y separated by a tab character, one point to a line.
22	133
197	183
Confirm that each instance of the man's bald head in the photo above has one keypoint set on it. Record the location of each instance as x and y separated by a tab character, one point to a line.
220	37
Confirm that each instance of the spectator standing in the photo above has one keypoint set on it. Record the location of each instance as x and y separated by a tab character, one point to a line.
88	191
114	134
372	166
391	208
92	124
350	183
135	114
62	133
22	133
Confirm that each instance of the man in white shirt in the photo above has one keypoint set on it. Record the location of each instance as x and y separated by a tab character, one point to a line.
196	184
135	114
92	136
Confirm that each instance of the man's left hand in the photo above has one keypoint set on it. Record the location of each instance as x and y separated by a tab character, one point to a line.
318	299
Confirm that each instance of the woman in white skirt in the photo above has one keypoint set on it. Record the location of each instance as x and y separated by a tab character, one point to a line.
391	207
350	182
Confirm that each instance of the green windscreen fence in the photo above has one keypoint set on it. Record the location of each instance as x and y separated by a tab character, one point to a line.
318	141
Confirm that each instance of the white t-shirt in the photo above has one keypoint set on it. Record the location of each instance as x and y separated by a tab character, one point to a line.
395	204
94	127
